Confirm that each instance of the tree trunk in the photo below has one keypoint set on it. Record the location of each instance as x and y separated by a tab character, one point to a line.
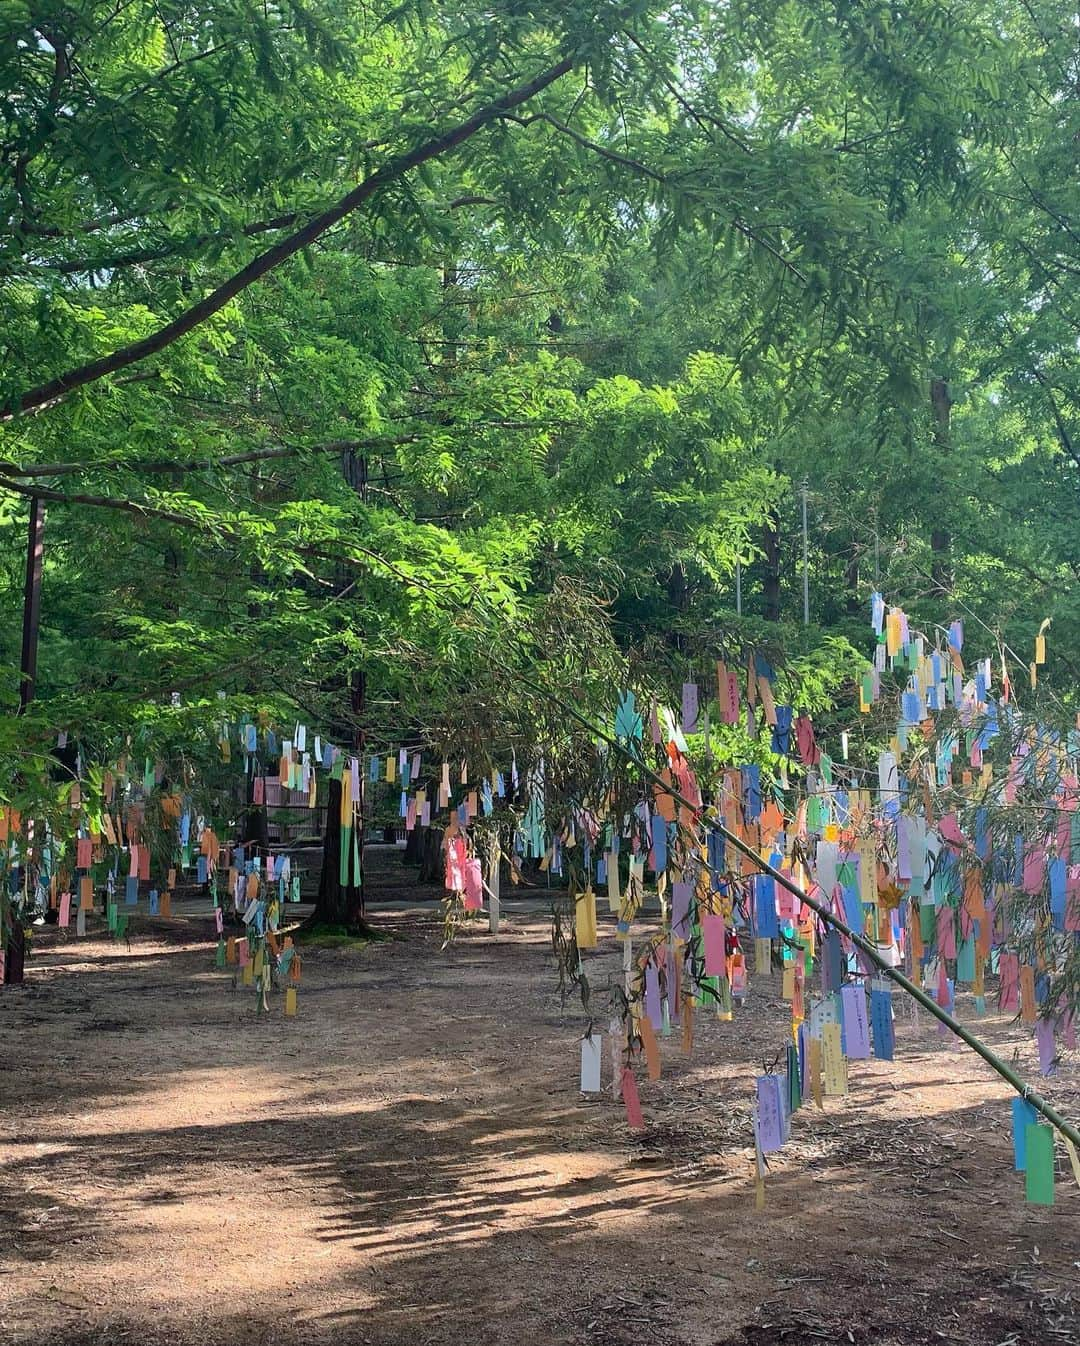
411	854
678	593
677	589
429	846
357	695
770	545
337	904
256	824
852	602
15	955
940	540
256	830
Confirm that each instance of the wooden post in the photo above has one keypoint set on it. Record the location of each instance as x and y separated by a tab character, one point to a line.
940	539
357	704
805	559
15	950
494	869
35	551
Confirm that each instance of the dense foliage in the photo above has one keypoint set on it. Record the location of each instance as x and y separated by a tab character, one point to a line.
371	357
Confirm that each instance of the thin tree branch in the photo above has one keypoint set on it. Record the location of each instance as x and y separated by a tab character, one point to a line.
53	391
225	528
1063	434
636	166
178	64
200	464
76	266
102	502
33	471
699	115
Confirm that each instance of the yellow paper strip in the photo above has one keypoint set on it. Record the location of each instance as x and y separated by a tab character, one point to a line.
815	1072
834	1065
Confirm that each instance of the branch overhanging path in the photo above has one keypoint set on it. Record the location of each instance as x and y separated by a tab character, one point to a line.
991	1058
54	390
1006	1072
1066	1128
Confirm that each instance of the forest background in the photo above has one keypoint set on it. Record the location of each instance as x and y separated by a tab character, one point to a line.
376	365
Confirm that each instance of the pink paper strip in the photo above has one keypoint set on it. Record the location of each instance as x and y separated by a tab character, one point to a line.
713	933
946	932
634	1118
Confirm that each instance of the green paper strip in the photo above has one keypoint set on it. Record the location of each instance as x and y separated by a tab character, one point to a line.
794	1082
1039	1175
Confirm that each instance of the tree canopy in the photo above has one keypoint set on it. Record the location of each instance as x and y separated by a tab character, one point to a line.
431	344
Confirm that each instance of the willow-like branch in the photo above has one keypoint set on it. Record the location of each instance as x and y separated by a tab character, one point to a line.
56	389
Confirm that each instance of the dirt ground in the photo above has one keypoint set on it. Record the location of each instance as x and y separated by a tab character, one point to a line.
409	1160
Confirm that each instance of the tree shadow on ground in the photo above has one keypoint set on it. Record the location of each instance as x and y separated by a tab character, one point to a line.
468	1201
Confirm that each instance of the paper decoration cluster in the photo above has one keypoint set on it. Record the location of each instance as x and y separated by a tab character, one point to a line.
911	857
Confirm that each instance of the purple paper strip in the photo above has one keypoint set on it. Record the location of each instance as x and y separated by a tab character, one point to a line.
674	1008
689	707
770	1114
652	995
1044	1040
680	910
856	1027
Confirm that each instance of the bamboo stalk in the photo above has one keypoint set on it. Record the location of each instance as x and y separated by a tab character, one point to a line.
916	992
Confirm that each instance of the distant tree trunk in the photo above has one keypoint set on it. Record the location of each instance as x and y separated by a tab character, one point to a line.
451	323
15	955
770	545
357	696
256	830
431	856
423	845
337	903
411	854
678	593
852	602
340	903
677	589
940	540
256	825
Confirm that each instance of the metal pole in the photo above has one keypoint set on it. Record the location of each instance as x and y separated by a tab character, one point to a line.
738	588
805	560
35	551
